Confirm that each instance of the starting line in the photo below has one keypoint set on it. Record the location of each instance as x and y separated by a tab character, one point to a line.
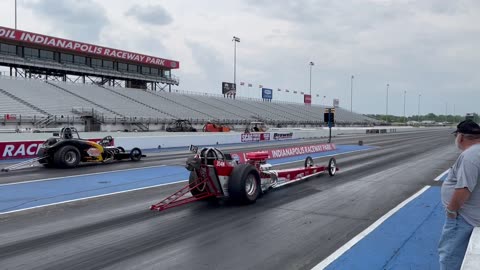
45	192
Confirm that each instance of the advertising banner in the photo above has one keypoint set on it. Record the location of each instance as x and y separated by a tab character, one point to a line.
74	46
229	88
255	137
283	136
307	99
267	93
290	151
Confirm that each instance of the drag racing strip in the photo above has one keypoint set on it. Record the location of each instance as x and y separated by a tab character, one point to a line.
45	192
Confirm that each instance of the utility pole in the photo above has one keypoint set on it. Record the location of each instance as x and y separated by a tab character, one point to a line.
351	94
446	111
418	118
386	111
404	106
311	65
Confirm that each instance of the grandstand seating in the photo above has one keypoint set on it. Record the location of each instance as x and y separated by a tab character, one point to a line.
117	103
11	105
50	99
37	97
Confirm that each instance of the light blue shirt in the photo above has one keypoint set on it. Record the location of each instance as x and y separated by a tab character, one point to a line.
465	173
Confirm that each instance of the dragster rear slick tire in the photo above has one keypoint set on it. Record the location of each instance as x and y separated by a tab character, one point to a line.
67	157
244	184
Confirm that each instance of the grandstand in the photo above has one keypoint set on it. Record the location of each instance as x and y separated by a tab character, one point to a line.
54	81
39	103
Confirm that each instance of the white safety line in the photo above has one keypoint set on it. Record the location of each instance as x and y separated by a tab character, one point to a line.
339	252
80	175
441	175
91	197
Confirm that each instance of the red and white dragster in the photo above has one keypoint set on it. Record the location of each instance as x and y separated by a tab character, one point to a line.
215	175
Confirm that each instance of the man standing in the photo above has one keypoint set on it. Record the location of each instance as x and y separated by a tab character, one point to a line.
461	197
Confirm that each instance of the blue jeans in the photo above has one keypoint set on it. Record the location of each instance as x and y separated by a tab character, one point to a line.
453	243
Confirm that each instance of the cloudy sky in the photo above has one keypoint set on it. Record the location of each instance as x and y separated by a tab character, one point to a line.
427	47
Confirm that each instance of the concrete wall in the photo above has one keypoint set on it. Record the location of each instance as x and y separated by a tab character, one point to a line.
151	140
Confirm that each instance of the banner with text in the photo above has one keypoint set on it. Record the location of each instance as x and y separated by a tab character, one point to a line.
255	137
289	151
65	44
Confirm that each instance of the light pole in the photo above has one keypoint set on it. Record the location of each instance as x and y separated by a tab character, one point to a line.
446	111
404	106
311	65
15	14
386	111
235	40
351	94
418	117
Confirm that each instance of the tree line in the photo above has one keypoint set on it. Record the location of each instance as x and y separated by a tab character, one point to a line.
427	117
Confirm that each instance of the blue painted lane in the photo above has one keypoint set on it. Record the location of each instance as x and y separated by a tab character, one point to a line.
26	195
406	240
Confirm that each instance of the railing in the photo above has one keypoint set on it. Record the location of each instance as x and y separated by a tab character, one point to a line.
45	63
57	119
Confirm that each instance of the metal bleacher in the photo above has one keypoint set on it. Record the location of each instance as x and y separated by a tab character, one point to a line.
55	98
51	100
121	105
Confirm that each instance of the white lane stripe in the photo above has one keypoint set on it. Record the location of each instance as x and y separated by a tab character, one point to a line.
80	175
441	175
339	252
124	191
91	197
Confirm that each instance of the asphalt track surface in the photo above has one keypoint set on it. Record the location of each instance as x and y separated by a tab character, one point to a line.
294	227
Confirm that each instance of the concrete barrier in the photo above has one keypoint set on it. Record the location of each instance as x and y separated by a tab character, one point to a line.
472	256
25	144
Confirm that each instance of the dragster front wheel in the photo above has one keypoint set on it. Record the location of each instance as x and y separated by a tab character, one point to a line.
136	154
332	167
308	162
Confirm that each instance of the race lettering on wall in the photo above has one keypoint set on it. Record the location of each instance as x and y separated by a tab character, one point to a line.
60	43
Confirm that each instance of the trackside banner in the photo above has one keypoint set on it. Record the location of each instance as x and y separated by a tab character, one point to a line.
65	44
290	151
23	149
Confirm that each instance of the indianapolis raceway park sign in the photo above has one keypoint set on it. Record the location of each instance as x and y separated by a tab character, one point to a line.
59	43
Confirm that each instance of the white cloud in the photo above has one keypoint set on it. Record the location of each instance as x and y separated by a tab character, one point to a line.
427	47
